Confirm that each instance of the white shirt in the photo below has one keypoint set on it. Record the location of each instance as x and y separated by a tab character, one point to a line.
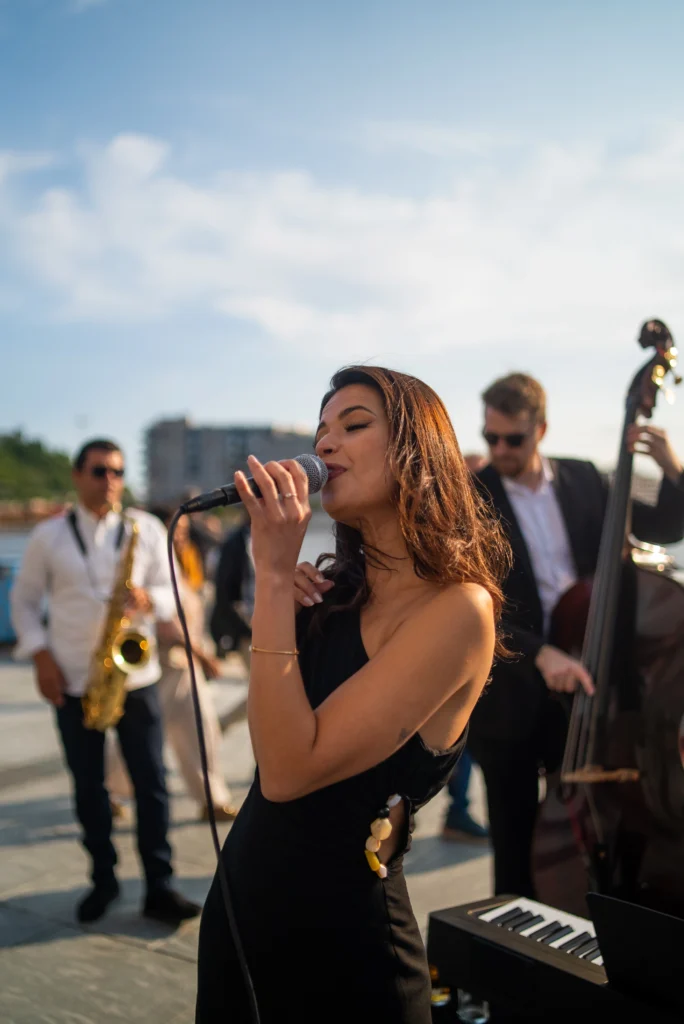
78	588
544	531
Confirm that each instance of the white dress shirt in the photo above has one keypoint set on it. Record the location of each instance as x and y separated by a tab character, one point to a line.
77	589
544	531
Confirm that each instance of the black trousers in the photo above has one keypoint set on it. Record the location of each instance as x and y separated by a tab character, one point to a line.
141	740
511	769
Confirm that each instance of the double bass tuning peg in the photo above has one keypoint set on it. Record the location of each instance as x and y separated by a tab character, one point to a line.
672	355
660	373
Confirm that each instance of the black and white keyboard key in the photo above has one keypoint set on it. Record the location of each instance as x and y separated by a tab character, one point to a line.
574	943
548	926
521	926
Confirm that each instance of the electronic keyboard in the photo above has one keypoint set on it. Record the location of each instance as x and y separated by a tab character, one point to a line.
529	962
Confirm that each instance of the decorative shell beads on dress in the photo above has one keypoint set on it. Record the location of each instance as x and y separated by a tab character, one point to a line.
381	829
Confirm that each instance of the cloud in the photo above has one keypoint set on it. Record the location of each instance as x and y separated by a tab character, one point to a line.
662	164
572	244
17	162
437	140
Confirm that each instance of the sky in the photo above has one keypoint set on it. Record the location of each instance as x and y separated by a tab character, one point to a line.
208	206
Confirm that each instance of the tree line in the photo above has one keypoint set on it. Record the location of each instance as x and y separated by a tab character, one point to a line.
28	469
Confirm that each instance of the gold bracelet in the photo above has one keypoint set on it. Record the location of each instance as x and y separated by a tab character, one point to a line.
263	650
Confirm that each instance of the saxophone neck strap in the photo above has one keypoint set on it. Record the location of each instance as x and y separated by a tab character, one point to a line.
78	537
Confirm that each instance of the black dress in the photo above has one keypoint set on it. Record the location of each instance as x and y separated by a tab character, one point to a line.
326	939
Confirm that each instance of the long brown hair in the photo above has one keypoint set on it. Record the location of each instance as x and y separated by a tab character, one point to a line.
451	532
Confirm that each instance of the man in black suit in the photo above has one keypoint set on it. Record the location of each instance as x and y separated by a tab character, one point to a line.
553	512
232	613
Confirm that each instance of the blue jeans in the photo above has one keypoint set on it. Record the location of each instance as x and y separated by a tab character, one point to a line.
458	790
141	740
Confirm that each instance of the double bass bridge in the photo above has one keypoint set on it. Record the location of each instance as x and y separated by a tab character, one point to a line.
592	773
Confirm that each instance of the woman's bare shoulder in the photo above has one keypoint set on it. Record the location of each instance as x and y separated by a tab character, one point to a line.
451	614
469	599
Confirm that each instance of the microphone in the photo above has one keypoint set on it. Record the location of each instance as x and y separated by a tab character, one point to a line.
315	469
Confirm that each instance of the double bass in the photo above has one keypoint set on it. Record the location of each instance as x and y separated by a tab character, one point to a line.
613	818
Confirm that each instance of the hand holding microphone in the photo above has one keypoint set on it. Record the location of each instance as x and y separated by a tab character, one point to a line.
279	516
315	469
277	499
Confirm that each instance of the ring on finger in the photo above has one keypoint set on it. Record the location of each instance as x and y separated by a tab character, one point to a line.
288	495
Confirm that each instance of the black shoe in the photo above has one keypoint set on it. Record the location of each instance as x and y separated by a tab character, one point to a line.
169	906
93	906
462	828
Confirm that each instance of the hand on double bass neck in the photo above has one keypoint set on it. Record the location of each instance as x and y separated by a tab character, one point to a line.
562	673
653	441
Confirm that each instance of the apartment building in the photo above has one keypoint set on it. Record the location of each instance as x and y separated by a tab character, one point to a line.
181	457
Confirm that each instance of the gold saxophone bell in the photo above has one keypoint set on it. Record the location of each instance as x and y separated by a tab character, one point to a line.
131	650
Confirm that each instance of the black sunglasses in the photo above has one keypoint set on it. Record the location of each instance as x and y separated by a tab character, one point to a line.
512	440
100	472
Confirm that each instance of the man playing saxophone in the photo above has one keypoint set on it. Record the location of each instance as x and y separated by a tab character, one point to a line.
98	569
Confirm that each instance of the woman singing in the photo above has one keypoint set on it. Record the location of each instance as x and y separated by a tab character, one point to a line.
358	709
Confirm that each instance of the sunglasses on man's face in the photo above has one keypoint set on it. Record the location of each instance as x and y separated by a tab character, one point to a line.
100	472
512	440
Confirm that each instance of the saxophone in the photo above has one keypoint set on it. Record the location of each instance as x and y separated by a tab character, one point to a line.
121	650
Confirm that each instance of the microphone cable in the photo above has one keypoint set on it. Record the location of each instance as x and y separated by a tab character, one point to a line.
223	878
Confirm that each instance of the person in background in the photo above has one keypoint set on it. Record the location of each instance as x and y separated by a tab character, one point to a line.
175	690
459	825
188	551
204	534
475	462
553	512
73	560
230	623
213	524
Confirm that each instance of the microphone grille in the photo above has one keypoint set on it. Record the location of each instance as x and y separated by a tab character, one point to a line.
315	469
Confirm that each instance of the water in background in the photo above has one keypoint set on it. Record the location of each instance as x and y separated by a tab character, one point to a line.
12	545
318	539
